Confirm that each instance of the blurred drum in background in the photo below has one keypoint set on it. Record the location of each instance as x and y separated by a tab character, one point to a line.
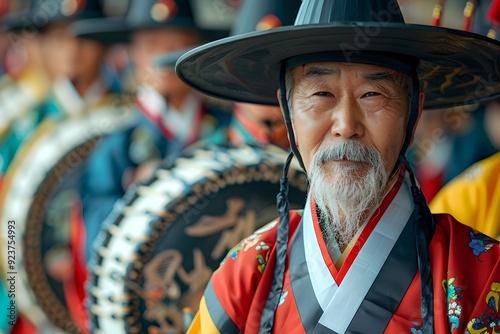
159	247
41	193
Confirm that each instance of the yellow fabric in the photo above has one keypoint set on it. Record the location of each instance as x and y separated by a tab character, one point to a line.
202	323
473	198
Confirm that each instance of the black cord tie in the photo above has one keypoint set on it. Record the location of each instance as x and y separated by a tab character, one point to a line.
424	230
267	320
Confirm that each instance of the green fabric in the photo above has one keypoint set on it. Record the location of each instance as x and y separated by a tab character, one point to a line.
220	137
23	128
4	304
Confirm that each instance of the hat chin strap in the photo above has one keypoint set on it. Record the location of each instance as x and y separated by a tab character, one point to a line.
287	117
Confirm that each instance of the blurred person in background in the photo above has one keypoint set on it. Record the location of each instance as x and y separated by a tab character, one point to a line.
448	141
172	115
254	124
70	72
4	42
24	85
63	74
474	196
4	295
431	150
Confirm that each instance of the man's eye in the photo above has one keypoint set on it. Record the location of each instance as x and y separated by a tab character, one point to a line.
323	94
370	94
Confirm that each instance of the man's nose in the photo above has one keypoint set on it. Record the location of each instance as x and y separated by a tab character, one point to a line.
346	120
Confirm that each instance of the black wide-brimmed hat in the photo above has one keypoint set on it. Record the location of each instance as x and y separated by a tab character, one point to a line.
141	14
254	15
111	28
454	67
41	13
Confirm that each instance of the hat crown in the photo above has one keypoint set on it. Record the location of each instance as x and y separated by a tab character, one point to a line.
254	15
158	13
66	9
115	8
330	11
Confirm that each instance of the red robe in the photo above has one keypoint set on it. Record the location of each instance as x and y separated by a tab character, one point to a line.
465	270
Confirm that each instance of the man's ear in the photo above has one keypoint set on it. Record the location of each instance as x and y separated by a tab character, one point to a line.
278	93
421	98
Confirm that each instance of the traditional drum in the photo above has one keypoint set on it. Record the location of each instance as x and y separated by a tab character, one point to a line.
164	239
40	193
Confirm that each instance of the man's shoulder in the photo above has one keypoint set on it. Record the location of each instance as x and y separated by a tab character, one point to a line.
463	239
248	267
482	174
261	242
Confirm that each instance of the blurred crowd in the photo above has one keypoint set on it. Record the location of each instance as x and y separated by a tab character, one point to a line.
65	62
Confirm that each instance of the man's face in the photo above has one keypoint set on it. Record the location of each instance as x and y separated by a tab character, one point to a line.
269	119
333	102
349	121
87	59
58	49
150	43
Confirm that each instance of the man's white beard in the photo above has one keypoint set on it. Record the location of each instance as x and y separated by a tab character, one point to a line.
345	194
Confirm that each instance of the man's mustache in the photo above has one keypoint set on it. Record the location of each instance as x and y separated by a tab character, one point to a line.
351	150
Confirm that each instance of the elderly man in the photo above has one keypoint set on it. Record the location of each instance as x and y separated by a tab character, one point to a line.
365	255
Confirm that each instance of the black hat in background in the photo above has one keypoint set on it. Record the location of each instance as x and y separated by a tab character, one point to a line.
141	14
110	29
257	15
41	13
13	13
254	15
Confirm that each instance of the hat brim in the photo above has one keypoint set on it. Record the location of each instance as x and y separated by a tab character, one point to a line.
456	67
103	30
168	60
120	30
14	21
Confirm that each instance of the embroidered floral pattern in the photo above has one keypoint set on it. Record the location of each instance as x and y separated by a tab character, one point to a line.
489	321
262	246
480	243
233	253
417	328
454	308
261	263
250	242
